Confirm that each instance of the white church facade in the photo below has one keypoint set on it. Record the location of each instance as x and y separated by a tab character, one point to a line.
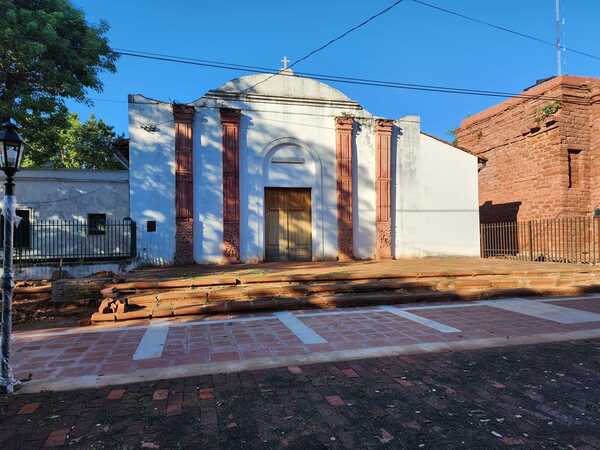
286	168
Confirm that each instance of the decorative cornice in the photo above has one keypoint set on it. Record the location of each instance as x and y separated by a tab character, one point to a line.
281	100
183	113
344	123
230	115
384	125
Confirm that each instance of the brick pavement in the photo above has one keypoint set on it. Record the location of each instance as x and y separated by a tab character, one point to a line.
544	396
66	359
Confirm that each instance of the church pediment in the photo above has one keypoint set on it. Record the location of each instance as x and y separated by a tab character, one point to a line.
283	88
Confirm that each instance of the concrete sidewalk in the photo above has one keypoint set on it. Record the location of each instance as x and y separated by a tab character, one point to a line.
165	349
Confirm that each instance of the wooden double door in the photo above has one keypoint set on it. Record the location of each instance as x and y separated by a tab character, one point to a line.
288	227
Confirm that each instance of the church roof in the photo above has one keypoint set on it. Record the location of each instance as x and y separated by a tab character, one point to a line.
285	85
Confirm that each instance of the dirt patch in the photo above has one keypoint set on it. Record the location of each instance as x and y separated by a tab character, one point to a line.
31	313
33	307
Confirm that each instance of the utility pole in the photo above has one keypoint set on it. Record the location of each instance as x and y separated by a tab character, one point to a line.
558	46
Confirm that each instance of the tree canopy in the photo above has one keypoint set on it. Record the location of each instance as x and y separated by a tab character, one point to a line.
49	53
72	145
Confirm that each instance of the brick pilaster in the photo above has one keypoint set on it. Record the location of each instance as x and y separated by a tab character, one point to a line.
230	121
343	152
184	184
383	188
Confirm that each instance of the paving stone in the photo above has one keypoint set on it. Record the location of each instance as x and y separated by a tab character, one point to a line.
384	437
29	408
160	394
295	370
57	438
174	407
350	373
403	382
334	400
206	394
116	394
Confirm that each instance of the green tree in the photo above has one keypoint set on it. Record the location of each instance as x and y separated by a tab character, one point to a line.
73	145
48	53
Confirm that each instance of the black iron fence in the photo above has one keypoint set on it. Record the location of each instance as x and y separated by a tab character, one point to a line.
565	240
73	241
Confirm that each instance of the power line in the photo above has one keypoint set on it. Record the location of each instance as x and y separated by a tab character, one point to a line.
505	29
332	41
293	113
212	63
336	78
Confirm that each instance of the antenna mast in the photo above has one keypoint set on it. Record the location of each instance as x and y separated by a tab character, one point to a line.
558	45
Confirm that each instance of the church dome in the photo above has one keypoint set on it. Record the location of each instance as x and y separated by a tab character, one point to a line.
282	85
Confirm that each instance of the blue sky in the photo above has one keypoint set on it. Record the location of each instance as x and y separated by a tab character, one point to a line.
411	43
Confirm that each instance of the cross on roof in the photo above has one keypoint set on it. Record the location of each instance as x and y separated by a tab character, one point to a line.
285	62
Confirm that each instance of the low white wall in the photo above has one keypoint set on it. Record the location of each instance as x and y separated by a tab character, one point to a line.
436	197
71	270
72	194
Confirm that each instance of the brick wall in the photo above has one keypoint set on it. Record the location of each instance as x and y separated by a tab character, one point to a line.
595	146
539	165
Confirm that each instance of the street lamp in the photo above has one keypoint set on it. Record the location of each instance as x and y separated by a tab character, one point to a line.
11	151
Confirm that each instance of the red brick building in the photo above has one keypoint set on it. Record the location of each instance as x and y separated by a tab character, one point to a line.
543	151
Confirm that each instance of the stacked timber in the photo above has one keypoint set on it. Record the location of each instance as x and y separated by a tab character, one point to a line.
140	300
212	294
79	290
40	291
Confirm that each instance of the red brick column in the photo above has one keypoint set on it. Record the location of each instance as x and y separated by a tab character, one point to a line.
383	188
184	184
230	121
343	152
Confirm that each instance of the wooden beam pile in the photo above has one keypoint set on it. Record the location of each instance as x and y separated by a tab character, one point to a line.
145	299
26	290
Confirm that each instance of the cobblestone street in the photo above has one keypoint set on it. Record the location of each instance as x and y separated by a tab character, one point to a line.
543	396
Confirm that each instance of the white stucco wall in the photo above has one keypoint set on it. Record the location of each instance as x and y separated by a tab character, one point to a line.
436	196
152	177
72	194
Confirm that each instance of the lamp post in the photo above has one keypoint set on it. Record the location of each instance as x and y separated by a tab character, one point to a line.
11	151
